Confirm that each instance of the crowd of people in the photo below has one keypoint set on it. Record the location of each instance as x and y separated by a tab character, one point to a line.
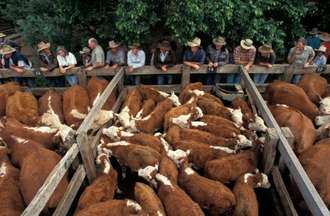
311	50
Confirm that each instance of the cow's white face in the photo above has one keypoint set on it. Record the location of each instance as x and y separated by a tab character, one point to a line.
175	99
148	172
134	205
112	132
182	120
197	92
236	116
322	120
325	106
258	124
178	155
164	180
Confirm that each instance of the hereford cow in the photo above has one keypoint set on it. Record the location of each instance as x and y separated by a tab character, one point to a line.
147	107
75	105
314	85
248	116
209	107
302	127
168	169
95	87
51	99
280	92
23	106
7	90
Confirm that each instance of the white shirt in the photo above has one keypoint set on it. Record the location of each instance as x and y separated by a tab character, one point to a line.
69	59
162	56
136	61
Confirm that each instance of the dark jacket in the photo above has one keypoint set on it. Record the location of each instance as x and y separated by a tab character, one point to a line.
170	59
16	57
48	61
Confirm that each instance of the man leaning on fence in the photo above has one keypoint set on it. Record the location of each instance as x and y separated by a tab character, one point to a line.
97	56
115	55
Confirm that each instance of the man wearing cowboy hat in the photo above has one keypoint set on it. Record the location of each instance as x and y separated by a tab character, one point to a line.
320	59
313	40
135	59
97	59
12	59
266	57
243	55
164	58
325	38
115	56
47	59
86	56
217	55
195	56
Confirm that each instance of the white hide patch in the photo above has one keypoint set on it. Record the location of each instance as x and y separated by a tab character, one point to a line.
139	115
264	181
225	149
258	124
104	152
134	205
124	117
147	171
191	100
236	116
325	106
182	120
159	213
112	132
177	155
282	105
3	169
165	144
198	124
146	118
42	129
175	99
78	115
102	118
164	180
164	94
243	141
322	120
189	171
19	140
199	112
246	176
197	92
120	143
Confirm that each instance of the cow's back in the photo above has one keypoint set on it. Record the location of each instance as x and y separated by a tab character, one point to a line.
95	87
314	85
6	90
51	100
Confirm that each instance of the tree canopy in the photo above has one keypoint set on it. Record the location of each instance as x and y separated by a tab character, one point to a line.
71	22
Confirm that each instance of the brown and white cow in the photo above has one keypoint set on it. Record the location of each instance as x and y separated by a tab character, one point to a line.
7	90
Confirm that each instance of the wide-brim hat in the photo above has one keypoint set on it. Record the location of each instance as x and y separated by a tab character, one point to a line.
196	42
113	44
266	48
42	45
219	41
246	44
321	49
2	35
165	45
314	31
135	45
85	50
7	50
325	36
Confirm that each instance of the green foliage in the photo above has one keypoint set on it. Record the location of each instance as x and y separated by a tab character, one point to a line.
71	22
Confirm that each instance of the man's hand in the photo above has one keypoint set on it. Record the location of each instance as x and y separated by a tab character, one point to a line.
216	64
211	64
163	68
114	66
130	69
306	65
195	66
247	67
44	69
62	70
107	66
269	65
19	70
89	68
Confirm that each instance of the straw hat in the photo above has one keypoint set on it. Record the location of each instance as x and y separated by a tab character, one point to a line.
314	31
85	50
2	35
265	48
165	45
135	45
325	36
220	41
321	49
113	44
6	49
196	42
246	44
42	45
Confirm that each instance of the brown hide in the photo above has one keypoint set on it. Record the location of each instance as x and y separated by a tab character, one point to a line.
96	86
146	140
185	94
7	90
111	208
246	199
133	101
147	107
316	162
148	200
102	189
210	108
75	98
218	126
51	100
200	153
23	106
135	156
229	168
155	119
35	169
302	127
207	193
314	85
168	168
285	93
14	127
177	202
248	117
150	93
175	134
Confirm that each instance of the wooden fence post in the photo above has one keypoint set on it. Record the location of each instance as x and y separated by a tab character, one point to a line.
185	76
269	153
82	77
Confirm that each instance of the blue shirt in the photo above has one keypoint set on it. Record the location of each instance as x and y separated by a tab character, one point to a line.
198	57
313	41
17	59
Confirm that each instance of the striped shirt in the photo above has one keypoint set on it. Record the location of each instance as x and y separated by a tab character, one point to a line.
242	55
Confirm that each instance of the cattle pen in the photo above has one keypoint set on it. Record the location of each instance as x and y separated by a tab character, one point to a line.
84	145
